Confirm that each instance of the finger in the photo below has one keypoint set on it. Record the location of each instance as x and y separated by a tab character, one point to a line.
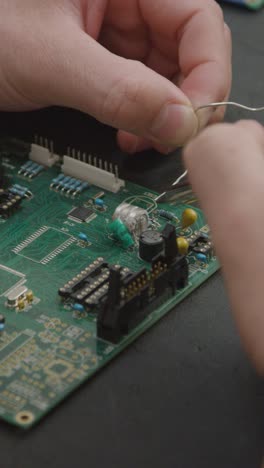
226	169
132	144
219	114
205	58
119	92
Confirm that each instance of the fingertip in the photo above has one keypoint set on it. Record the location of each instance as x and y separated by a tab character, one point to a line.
252	127
132	144
174	126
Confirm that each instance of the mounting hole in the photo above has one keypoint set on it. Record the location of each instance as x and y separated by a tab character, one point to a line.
25	418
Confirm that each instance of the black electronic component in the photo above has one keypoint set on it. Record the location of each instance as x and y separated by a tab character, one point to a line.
83	279
200	243
9	202
3	180
122	299
80	214
170	240
130	300
90	287
15	148
151	243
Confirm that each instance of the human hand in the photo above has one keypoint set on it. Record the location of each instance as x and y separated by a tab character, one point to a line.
226	169
138	65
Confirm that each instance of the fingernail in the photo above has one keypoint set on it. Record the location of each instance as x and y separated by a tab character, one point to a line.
174	126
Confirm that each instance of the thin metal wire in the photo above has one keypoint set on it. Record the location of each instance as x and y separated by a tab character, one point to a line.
180	178
230	103
213	105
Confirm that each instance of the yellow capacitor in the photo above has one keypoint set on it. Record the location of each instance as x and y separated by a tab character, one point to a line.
30	296
183	245
189	217
21	304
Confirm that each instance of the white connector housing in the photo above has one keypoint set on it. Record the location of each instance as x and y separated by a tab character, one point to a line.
42	156
93	175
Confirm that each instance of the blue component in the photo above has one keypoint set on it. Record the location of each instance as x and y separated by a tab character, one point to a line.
31	169
2	326
73	184
65	180
19	190
82	187
83	237
57	179
167	215
15	191
68	184
26	166
201	257
99	202
78	307
35	169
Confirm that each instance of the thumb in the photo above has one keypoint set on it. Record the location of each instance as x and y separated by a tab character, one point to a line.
226	167
122	93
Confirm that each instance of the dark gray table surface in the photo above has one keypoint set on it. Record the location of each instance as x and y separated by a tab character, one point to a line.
184	395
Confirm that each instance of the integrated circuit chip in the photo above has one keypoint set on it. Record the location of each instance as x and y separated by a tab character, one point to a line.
80	214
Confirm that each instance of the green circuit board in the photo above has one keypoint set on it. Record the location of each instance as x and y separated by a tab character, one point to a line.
47	348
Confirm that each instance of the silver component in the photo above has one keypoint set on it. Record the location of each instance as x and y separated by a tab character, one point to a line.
15	295
135	218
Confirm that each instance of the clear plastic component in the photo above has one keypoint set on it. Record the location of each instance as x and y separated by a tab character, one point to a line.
135	218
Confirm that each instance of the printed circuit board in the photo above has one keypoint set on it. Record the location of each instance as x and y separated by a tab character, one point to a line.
88	262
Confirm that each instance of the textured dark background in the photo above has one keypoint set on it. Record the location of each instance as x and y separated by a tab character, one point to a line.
184	395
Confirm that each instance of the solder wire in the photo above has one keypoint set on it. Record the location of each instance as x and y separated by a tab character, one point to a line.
213	105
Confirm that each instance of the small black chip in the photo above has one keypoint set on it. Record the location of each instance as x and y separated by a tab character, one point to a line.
81	214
